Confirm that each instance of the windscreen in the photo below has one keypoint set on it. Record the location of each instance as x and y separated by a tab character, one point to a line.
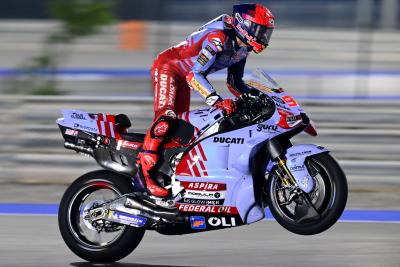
260	80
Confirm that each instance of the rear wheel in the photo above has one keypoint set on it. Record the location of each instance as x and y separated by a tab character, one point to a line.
328	197
100	241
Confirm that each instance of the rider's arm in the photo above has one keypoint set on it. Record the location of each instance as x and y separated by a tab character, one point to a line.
196	78
235	82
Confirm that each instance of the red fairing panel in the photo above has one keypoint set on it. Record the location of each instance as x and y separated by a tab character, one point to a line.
106	125
193	163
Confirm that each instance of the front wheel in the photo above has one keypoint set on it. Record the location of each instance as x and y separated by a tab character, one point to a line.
103	241
327	199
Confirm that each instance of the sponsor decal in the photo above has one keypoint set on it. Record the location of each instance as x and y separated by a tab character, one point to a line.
203	186
172	92
223	221
245	33
297	168
78	116
217	42
156	75
214	202
161	128
162	99
197	222
211	100
85	128
130	145
290	101
128	218
283	107
207	209
71	132
259	86
204	194
267	128
204	57
198	87
228	140
278	99
300	153
209	49
201	61
238	17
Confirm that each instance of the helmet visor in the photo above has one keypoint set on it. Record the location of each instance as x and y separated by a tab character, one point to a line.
261	32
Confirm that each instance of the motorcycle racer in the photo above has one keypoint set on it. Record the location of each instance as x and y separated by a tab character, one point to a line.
224	42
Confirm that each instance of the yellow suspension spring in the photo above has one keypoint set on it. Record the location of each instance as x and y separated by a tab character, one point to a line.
289	179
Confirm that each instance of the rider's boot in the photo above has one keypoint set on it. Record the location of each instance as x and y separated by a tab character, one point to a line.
148	158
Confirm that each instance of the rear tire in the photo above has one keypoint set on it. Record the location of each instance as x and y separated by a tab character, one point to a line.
82	238
329	197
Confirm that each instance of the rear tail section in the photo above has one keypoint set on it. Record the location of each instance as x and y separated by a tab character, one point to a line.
104	137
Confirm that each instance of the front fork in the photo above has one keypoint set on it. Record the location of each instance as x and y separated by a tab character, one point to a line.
276	152
284	173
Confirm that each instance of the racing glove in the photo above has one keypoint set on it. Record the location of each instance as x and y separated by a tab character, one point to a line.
227	105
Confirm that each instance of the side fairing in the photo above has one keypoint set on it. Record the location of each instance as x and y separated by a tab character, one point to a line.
223	159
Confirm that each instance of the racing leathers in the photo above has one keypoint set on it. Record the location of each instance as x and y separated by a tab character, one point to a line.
186	66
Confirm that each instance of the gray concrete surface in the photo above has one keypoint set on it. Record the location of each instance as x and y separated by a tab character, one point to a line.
261	244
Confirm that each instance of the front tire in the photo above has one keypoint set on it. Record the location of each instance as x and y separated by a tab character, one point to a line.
329	196
81	237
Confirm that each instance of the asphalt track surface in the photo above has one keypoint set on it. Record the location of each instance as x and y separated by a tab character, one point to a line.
34	240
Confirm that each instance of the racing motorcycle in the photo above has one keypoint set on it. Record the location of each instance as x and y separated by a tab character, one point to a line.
222	171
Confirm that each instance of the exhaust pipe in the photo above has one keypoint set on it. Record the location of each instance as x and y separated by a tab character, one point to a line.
81	149
151	208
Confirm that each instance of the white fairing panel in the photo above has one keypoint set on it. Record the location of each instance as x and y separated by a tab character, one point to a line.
79	120
204	118
296	156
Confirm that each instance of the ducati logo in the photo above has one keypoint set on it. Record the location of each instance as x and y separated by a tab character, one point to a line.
162	99
228	140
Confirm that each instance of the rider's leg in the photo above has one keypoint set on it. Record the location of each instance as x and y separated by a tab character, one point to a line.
164	86
182	101
154	138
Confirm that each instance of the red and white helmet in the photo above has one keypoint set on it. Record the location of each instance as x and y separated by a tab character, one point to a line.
253	24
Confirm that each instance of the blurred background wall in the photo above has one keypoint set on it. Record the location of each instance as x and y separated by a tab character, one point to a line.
320	47
341	58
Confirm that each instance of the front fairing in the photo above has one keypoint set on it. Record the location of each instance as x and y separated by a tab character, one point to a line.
288	109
